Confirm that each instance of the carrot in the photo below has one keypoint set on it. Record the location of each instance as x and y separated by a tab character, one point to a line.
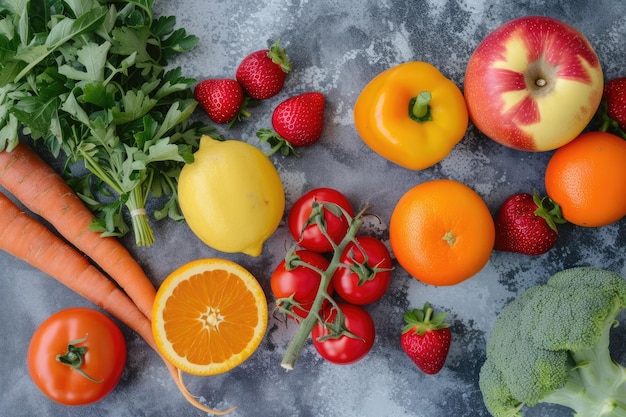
44	192
29	240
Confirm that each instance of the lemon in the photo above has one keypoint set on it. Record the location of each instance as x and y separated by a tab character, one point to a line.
231	196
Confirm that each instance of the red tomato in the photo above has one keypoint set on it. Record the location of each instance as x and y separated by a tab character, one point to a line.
372	284
301	282
345	349
70	331
303	227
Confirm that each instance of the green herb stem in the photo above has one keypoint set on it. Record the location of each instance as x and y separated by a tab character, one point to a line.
141	226
96	169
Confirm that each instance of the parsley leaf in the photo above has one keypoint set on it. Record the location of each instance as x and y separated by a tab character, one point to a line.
90	78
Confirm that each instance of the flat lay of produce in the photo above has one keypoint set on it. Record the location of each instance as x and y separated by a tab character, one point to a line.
255	209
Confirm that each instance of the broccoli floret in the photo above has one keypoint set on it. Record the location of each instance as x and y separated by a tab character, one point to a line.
551	345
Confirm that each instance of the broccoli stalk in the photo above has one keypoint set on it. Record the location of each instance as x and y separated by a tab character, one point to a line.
551	345
595	384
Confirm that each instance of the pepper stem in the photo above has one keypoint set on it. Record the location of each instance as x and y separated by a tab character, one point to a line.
75	357
419	107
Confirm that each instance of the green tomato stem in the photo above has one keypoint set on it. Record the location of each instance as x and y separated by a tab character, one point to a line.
75	357
306	326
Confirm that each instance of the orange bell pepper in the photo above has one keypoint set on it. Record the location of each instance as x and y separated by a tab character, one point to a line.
411	115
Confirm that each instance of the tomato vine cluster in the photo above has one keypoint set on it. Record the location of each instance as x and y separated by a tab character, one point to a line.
328	276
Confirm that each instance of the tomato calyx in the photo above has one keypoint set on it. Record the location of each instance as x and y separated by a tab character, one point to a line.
363	269
318	218
293	260
75	357
314	210
289	305
336	327
419	107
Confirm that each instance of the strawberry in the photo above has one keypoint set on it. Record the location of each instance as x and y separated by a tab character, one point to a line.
262	73
426	338
614	98
527	224
222	99
297	121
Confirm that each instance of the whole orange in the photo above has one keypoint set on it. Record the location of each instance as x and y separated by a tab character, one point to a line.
587	178
441	232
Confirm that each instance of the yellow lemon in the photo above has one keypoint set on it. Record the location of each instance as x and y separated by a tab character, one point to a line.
231	196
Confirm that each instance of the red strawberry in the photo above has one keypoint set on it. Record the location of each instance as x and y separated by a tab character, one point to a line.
262	73
297	121
426	338
222	99
615	101
527	224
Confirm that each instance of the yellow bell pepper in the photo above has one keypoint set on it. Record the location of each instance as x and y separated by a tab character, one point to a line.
411	115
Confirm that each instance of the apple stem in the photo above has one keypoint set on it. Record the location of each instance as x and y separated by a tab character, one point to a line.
540	82
419	107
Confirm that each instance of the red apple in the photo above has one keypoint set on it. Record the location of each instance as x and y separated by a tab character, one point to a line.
533	84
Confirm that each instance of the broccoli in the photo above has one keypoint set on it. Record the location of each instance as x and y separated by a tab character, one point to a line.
551	345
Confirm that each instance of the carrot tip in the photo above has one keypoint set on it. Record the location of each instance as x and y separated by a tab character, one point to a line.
193	401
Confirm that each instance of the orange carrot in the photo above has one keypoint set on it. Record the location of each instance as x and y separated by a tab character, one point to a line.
29	240
44	192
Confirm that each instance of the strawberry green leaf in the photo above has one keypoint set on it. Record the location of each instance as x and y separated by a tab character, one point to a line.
279	56
277	143
549	210
421	320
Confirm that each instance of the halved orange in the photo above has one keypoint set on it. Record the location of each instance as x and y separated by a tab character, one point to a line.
209	316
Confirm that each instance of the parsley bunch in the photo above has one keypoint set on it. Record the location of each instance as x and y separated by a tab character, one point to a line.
90	78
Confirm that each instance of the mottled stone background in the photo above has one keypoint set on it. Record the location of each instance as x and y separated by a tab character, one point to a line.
336	47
